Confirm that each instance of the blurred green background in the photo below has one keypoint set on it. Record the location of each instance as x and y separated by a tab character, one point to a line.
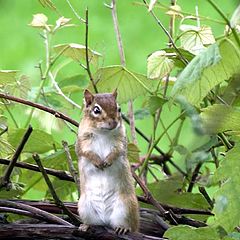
22	48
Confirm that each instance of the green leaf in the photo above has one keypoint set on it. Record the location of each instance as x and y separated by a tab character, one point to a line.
154	103
39	141
78	80
19	88
194	38
15	191
175	57
231	93
220	118
235	19
7	76
77	52
227	198
169	192
159	65
133	152
129	85
206	70
187	232
141	113
63	189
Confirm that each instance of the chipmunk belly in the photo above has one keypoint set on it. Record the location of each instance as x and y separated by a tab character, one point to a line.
101	188
101	191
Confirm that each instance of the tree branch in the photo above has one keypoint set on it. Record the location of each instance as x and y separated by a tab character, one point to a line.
53	231
57	114
62	175
47	216
5	180
59	203
72	169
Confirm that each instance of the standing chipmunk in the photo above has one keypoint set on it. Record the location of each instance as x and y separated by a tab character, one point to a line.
107	191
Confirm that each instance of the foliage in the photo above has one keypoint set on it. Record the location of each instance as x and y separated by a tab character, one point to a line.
186	106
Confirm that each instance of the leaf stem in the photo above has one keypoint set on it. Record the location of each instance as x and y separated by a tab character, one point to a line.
182	58
156	142
221	13
87	59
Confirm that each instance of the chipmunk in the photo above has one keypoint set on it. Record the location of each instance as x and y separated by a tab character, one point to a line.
107	191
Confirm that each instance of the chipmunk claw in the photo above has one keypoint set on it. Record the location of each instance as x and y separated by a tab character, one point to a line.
83	227
121	230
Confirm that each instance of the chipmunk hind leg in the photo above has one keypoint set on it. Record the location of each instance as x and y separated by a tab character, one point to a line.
124	217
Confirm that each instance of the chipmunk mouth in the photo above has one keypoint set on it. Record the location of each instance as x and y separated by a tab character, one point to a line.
110	125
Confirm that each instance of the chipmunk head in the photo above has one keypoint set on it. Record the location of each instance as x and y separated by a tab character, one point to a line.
102	110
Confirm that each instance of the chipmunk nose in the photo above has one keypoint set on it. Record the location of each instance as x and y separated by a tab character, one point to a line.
112	124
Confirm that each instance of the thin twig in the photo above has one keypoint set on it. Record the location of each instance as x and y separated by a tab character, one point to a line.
86	54
182	58
10	113
47	216
169	215
62	175
75	12
4	131
194	177
123	63
60	92
5	180
58	202
57	114
203	191
71	167
221	13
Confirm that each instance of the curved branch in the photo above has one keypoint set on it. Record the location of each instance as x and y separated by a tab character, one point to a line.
57	114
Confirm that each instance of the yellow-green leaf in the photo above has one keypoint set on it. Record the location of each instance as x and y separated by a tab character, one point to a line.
77	52
133	152
159	65
39	20
129	85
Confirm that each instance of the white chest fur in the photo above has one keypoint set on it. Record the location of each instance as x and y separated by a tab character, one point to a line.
101	187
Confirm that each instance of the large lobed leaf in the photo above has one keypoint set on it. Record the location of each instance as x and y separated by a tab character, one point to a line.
77	52
220	118
187	232
129	85
39	141
227	198
211	67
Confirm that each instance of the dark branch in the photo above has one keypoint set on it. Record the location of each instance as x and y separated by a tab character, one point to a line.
41	107
47	216
56	199
5	180
52	231
62	175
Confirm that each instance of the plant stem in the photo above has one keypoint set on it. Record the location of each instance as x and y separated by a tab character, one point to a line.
10	114
5	180
87	58
221	13
43	77
123	63
182	58
156	142
53	193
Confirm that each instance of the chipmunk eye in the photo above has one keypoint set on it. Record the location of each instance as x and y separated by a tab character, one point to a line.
96	110
119	109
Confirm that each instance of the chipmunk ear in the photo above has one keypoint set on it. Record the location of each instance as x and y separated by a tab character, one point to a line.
115	93
88	97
